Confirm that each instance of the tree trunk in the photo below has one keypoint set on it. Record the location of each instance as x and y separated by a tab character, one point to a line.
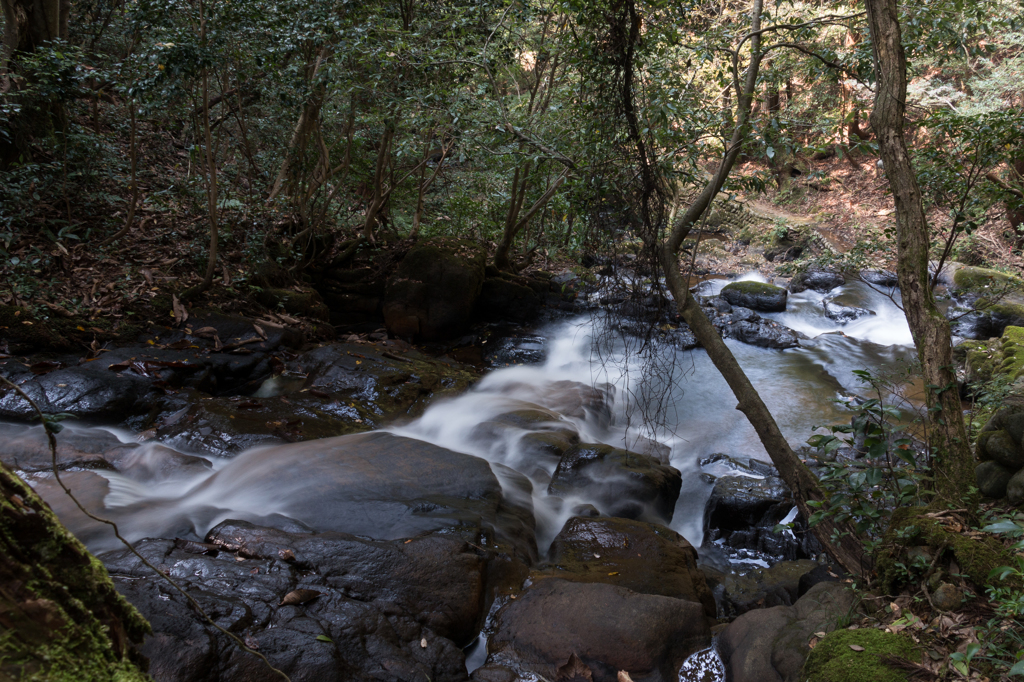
838	540
953	462
60	616
29	24
32	23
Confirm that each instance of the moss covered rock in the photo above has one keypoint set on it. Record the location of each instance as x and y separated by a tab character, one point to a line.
983	280
835	659
60	617
759	296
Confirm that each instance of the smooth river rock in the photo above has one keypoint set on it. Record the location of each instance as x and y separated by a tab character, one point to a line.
609	628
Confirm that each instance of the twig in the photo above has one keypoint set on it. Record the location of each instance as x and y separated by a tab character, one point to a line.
52	439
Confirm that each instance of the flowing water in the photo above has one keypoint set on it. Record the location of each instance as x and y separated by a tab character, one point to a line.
647	397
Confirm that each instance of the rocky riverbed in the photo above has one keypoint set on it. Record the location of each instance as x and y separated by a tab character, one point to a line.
365	510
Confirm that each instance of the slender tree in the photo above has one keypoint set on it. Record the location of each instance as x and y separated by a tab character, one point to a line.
953	462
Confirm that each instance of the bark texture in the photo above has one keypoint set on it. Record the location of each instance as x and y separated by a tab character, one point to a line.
60	616
953	461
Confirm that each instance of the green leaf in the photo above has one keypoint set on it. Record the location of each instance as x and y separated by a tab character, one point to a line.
324	638
1017	669
1006	526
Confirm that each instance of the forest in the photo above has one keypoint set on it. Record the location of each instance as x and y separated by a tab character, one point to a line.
512	340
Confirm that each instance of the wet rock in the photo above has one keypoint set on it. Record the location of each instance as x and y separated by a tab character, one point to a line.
765	333
880	278
383	611
378	485
375	485
760	588
743	324
818	280
332	390
87	391
843	314
643	557
758	296
432	294
618	482
228	426
521	349
992	478
504	299
745	507
27	449
770	645
610	628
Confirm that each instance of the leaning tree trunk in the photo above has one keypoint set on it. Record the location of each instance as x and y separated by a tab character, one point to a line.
838	539
953	462
60	616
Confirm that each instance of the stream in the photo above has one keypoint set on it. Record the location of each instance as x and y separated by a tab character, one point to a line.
661	400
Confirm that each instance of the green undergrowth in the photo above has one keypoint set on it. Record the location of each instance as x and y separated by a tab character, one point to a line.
977	557
835	659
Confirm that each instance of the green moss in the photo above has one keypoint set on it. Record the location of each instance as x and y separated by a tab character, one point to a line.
63	619
1013	352
977	557
753	288
980	280
832	660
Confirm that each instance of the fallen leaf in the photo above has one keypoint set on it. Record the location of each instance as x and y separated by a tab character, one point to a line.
299	597
286	554
614	573
820	635
623	676
324	638
856	647
423	643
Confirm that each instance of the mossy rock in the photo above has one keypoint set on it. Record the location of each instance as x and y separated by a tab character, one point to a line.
834	659
983	280
1012	346
758	296
63	620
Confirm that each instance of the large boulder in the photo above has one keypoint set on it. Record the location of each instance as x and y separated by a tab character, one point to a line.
643	557
432	293
759	296
771	645
992	479
375	484
610	628
618	482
